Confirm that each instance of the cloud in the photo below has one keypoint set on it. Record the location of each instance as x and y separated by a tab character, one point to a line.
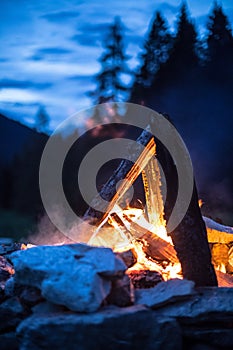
49	53
86	40
91	34
3	59
166	7
60	16
23	84
80	78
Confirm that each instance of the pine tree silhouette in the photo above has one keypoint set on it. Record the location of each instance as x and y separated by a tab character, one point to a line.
219	44
183	55
156	50
42	120
110	86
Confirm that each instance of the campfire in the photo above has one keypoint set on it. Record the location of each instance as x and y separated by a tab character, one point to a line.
72	292
142	230
141	233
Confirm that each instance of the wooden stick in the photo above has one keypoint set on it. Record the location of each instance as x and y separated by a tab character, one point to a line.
152	187
127	174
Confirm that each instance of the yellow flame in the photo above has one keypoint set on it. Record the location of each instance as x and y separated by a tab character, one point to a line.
168	271
200	202
221	268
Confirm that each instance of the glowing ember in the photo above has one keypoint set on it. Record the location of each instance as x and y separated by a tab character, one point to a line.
221	268
167	270
200	202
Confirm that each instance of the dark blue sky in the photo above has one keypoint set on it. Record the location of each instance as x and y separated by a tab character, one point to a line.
49	49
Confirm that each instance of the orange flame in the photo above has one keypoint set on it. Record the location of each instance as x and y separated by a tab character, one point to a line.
200	202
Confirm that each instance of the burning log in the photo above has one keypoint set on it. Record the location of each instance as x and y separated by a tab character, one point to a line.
152	187
224	279
218	233
127	174
154	246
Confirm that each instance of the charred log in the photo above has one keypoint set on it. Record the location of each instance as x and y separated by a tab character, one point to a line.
190	236
108	191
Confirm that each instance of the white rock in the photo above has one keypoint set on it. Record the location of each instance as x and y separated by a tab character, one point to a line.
75	275
83	290
165	293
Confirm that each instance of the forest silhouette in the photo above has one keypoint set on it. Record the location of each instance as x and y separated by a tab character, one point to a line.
183	74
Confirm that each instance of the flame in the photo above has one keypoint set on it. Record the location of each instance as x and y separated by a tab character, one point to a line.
27	246
167	270
200	202
221	267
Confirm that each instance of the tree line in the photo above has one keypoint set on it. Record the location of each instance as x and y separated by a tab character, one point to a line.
165	55
187	75
181	73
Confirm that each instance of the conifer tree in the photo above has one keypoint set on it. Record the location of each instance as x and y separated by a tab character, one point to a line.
184	49
110	85
42	120
156	50
219	43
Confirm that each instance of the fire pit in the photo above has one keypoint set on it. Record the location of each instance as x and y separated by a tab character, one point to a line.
128	284
76	295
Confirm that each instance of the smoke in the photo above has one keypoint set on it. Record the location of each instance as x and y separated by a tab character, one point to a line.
47	234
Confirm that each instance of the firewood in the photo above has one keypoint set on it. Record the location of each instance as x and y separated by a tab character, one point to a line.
152	187
154	246
224	279
127	174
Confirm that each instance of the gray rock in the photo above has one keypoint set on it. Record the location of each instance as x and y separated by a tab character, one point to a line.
45	308
30	296
11	314
165	292
198	346
8	247
81	290
10	287
217	337
9	341
209	303
122	292
112	328
75	275
2	294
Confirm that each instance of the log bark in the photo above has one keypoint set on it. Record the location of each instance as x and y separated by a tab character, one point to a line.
190	236
224	279
126	172
155	246
191	244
